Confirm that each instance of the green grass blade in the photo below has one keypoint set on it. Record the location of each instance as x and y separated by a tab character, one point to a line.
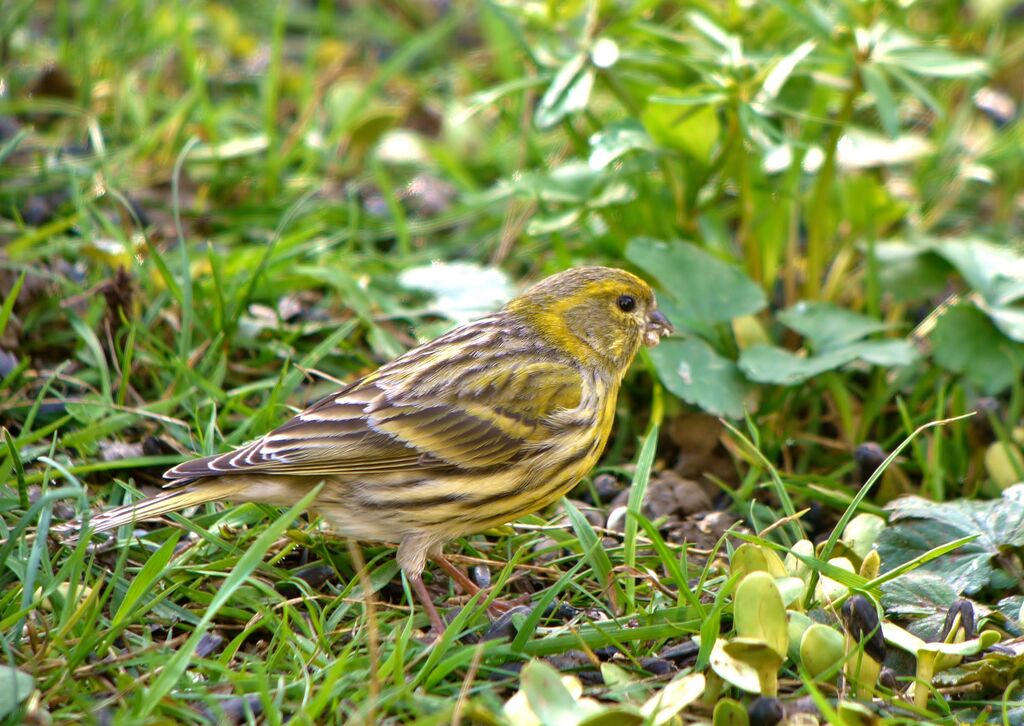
248	562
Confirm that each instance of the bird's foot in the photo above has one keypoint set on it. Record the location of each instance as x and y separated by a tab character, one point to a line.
496	608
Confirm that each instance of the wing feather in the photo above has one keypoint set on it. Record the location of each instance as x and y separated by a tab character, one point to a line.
474	411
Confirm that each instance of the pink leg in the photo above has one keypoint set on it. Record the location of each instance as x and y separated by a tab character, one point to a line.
424	597
468	586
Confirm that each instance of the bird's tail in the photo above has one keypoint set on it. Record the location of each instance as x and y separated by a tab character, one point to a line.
173	501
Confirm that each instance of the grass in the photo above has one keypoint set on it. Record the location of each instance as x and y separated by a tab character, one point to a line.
203	220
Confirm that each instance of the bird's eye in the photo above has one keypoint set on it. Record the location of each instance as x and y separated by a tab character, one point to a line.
626	303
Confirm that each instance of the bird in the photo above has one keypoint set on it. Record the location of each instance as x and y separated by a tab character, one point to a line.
495	419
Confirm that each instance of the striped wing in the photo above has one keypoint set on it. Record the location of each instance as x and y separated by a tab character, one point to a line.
436	407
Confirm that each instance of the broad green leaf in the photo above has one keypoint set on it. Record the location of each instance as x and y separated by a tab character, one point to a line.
706	290
693	371
922	596
15	687
568	93
828	326
769	364
1010	320
918	525
909	271
995	271
965	341
1012	610
693	130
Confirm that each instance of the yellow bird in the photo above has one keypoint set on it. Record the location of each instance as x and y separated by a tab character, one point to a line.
489	422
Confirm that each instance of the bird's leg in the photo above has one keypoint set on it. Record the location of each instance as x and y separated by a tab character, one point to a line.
424	597
497	608
412	556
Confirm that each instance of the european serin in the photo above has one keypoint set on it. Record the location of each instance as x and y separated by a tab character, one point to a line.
487	423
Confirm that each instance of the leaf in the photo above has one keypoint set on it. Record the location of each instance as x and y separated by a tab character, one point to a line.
859	149
1009	320
910	272
692	130
571	183
918	525
15	687
770	364
934	62
548	697
885	103
995	271
734	671
541	224
462	291
782	70
568	93
617	138
673	698
899	49
706	289
923	596
965	341
693	371
827	326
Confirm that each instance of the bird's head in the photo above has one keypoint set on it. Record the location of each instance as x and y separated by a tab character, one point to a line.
599	315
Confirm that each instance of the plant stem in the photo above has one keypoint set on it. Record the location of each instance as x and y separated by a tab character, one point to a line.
819	225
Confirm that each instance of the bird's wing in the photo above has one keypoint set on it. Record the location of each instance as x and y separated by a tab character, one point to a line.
464	415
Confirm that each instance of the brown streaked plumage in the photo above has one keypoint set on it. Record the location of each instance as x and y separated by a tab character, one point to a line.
489	422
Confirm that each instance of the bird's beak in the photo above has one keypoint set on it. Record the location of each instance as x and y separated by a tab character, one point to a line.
657	326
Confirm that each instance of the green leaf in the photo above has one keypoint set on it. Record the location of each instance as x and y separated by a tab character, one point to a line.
673	698
145	579
923	596
462	291
995	271
615	140
885	103
827	326
692	130
548	697
910	272
593	552
965	341
15	687
706	290
693	371
641	478
568	93
918	525
1009	320
770	364
896	48
934	62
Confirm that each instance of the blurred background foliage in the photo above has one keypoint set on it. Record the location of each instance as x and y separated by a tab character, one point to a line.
211	213
817	188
